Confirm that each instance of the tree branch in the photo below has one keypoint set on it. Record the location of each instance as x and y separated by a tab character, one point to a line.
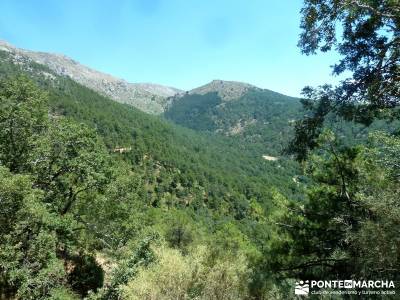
321	262
373	10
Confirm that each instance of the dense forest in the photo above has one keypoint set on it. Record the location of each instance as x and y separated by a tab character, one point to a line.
173	188
260	119
99	200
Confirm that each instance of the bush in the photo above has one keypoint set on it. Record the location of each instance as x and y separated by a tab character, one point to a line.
175	276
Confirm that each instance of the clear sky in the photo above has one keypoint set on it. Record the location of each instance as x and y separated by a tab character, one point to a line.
181	43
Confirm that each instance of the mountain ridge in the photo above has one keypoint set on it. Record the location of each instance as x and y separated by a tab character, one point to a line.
259	118
151	98
147	97
226	90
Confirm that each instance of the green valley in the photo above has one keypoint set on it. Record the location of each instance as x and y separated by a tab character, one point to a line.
118	190
180	187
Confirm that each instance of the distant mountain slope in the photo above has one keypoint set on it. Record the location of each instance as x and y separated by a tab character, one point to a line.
147	97
239	110
177	166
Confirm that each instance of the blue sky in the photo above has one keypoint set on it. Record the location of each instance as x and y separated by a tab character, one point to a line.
181	43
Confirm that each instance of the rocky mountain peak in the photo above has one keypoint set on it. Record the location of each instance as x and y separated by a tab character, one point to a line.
147	97
227	90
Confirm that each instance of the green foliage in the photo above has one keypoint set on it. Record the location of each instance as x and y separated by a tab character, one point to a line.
347	226
186	214
195	111
115	215
174	276
179	231
211	179
68	161
38	218
190	188
23	116
377	236
328	213
62	294
141	256
28	244
369	47
259	119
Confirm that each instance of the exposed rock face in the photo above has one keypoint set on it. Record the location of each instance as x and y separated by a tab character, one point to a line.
227	90
147	97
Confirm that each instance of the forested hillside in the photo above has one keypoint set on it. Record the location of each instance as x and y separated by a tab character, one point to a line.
235	193
171	190
147	97
258	118
261	121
